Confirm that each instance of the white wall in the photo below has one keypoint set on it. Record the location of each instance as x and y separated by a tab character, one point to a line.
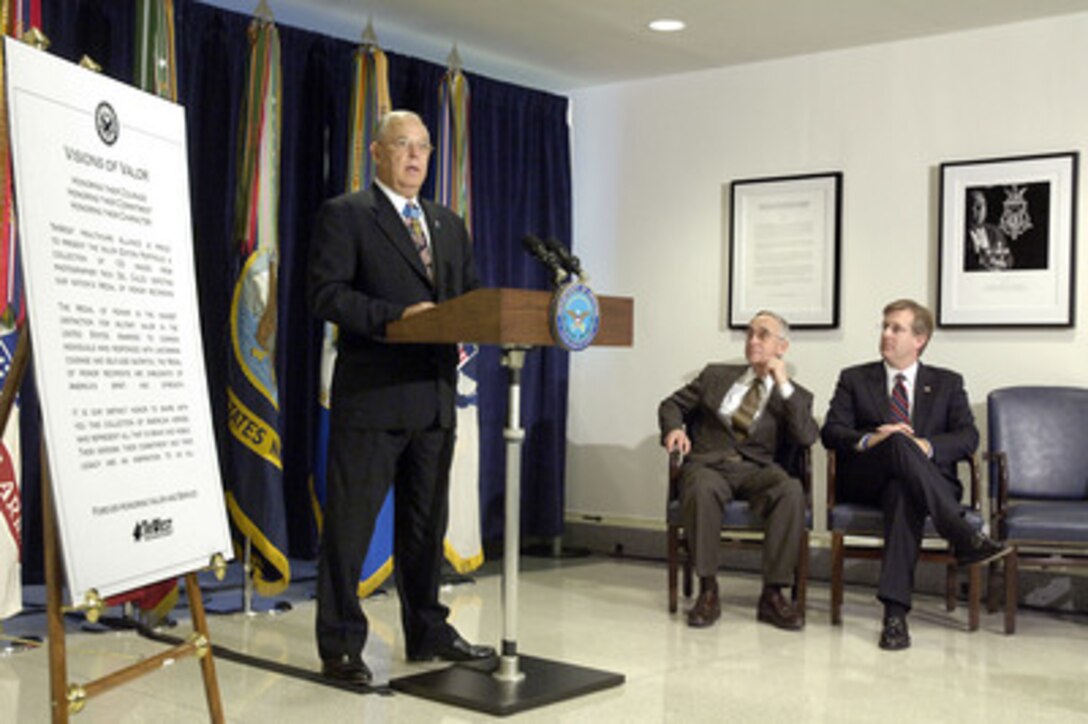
650	160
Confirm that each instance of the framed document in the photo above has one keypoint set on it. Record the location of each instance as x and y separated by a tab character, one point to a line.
784	236
1007	242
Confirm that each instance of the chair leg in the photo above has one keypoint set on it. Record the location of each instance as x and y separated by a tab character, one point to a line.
974	596
991	587
672	555
836	578
1012	568
688	579
800	586
950	587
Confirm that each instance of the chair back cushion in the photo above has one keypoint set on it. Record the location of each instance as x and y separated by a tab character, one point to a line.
791	457
1042	431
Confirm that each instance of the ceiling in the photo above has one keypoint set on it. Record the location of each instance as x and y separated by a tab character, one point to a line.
562	45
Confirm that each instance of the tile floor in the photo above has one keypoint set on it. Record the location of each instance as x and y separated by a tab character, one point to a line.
610	614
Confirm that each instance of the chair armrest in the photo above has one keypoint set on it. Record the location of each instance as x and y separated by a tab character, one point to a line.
976	481
676	459
806	471
830	480
1000	502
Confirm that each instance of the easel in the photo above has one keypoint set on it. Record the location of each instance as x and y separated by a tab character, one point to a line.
67	698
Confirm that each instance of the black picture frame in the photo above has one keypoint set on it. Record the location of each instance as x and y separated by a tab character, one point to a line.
784	242
1007	242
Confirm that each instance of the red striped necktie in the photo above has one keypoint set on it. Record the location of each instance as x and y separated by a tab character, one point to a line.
900	404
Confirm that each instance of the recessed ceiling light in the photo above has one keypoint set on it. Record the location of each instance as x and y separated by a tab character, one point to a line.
666	25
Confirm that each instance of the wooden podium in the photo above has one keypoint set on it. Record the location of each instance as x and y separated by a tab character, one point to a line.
517	320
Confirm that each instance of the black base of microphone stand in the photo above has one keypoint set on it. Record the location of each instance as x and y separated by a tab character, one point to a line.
544	682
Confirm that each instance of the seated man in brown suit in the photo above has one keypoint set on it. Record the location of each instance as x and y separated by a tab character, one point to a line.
731	419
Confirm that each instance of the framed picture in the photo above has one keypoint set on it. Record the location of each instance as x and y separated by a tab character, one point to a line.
1007	242
784	249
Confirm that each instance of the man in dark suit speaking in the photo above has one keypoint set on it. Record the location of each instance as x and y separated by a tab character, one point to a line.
731	419
898	427
377	256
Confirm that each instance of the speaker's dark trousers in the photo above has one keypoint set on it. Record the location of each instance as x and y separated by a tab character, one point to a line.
362	465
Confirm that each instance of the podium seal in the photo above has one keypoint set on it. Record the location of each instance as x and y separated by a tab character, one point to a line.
575	316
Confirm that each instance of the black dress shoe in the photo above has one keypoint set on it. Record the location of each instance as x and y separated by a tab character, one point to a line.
979	548
350	671
455	650
706	611
774	609
895	636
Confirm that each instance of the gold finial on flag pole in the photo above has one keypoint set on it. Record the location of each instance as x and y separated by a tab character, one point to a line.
88	62
370	38
263	12
36	38
453	60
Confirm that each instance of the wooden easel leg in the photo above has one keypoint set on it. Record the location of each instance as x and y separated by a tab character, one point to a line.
207	661
58	669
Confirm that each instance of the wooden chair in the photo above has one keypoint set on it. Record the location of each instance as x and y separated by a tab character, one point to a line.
858	520
741	528
1038	479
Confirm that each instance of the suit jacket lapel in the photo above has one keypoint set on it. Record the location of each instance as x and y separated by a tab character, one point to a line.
392	224
437	233
923	398
723	384
876	386
720	386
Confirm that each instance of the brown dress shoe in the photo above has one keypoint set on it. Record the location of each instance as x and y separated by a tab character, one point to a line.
706	611
776	610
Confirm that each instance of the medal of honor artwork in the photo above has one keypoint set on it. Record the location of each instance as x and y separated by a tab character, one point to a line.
1007	227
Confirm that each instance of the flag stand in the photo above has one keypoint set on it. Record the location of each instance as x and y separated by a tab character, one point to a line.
65	698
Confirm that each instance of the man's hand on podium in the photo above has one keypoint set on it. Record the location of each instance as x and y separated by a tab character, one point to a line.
416	309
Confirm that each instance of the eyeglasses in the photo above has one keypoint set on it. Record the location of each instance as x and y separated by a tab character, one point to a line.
402	144
762	334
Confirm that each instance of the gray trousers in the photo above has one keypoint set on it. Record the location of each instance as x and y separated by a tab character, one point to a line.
773	496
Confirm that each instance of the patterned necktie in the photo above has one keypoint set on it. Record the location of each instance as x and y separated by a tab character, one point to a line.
749	406
412	214
900	405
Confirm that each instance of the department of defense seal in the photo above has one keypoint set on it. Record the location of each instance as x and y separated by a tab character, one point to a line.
575	316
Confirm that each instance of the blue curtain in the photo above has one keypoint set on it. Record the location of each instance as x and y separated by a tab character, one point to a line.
521	184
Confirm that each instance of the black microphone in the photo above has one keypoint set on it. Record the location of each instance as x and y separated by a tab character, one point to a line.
569	261
541	251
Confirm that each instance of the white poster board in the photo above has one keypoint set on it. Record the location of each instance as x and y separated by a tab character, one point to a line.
102	191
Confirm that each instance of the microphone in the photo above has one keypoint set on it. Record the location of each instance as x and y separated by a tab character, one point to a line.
569	261
547	257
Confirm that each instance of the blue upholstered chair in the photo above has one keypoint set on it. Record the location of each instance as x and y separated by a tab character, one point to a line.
866	522
741	528
1038	455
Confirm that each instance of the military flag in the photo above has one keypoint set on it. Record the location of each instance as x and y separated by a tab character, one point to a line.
453	189
255	480
22	15
14	18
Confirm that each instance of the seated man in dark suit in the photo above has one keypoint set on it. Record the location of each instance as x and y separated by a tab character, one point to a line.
731	419
897	428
